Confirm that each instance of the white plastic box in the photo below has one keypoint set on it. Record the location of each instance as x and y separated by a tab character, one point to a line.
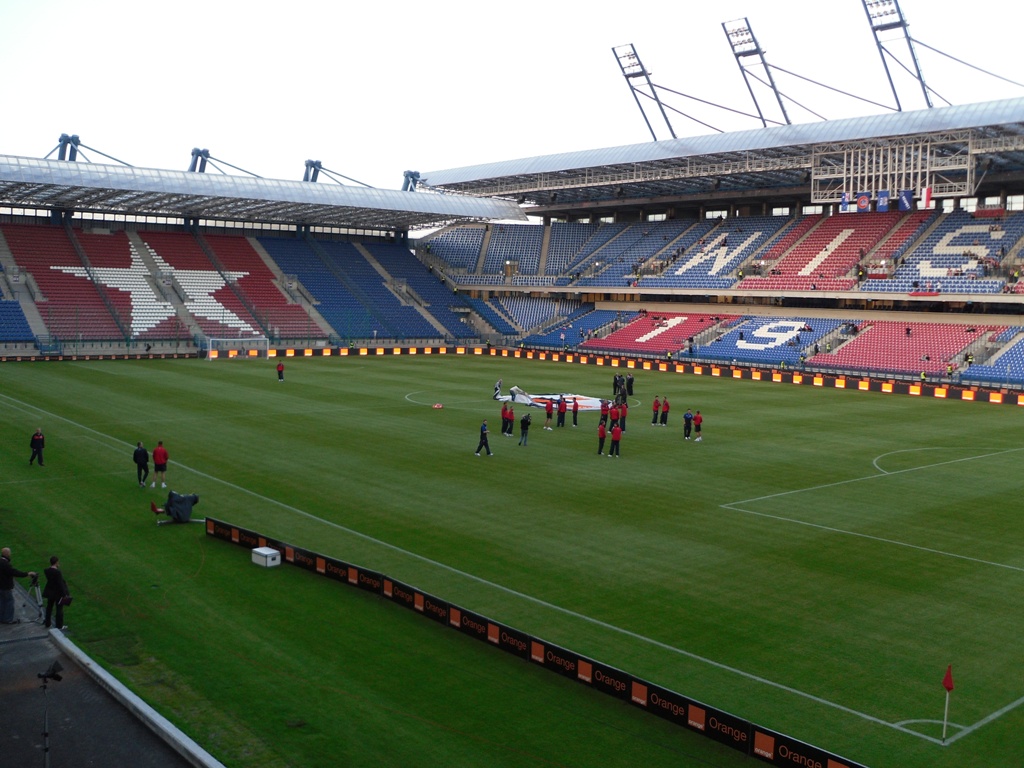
267	557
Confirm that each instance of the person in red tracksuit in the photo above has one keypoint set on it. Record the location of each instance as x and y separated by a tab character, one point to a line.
160	458
613	416
656	408
697	421
504	419
623	410
616	439
664	411
548	410
575	411
562	408
602	433
604	411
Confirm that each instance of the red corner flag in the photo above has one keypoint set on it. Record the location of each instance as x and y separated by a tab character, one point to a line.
947	681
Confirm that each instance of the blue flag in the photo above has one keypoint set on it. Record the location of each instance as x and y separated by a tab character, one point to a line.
883	201
863	202
844	202
906	199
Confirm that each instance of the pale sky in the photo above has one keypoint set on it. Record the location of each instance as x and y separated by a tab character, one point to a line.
373	89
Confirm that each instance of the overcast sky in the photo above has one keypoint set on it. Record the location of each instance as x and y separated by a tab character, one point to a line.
373	89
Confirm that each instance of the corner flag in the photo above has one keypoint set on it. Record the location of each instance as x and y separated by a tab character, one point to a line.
947	681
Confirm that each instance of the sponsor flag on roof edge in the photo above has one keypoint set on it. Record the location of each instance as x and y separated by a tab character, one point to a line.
947	681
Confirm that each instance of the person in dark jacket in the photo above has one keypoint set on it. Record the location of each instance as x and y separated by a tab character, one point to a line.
56	591
178	507
7	574
141	459
37	443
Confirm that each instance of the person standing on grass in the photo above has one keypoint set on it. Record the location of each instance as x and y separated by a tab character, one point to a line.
141	459
613	415
629	384
623	412
697	421
664	411
687	424
55	591
657	409
616	440
575	411
511	420
524	428
280	371
483	439
504	419
37	442
562	407
160	459
602	433
604	411
549	409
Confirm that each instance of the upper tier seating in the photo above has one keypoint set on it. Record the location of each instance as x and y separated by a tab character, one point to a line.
657	333
961	255
71	306
566	243
828	254
887	346
514	242
258	283
459	246
711	261
528	311
212	303
626	253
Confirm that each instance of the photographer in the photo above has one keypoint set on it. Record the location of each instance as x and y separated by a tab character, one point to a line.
56	593
7	574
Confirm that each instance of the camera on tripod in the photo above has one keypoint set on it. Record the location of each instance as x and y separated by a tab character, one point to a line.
34	581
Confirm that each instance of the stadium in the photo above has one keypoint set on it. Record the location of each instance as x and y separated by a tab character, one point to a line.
840	299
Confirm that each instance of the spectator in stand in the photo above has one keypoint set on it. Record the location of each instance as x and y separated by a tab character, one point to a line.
657	410
664	411
602	433
616	440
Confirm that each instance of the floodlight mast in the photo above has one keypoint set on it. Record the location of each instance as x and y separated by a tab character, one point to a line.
884	15
743	43
633	69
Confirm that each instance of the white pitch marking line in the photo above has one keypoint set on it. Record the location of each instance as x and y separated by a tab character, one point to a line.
531	598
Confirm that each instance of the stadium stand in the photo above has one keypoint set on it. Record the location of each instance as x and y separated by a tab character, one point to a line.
566	243
958	255
905	347
207	294
787	341
571	331
657	333
458	246
519	243
14	328
426	287
70	304
284	320
345	313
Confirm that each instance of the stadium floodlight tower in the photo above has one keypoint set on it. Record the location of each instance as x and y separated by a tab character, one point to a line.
884	15
743	43
633	70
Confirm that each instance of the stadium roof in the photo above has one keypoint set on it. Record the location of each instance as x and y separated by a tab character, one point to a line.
113	189
753	159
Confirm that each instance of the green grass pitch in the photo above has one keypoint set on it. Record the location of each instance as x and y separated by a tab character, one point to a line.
812	566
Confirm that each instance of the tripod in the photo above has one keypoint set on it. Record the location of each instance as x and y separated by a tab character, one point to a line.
53	673
34	592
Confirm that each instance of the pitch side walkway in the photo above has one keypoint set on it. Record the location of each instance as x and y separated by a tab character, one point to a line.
88	725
